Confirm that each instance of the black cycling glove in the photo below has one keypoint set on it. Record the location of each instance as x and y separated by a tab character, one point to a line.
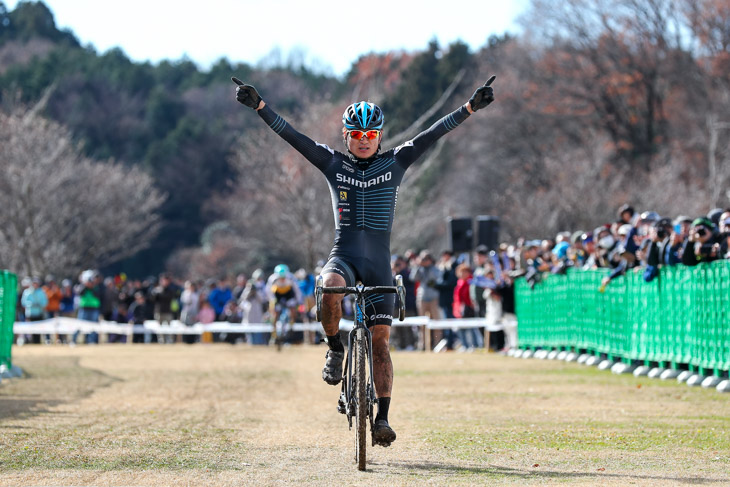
246	94
483	96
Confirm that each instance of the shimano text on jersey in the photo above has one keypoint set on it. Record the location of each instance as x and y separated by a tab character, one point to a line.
341	178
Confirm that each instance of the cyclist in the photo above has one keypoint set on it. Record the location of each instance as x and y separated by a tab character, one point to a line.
364	184
284	293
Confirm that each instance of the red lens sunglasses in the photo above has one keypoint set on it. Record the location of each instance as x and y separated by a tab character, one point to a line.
358	134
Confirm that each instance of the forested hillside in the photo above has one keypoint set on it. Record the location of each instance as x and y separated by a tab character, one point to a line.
597	103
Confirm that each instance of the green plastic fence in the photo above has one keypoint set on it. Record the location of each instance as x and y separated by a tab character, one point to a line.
681	317
8	298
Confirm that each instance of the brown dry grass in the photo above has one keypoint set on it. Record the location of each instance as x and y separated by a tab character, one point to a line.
222	416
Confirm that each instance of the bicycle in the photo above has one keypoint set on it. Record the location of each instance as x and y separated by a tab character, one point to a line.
357	396
282	326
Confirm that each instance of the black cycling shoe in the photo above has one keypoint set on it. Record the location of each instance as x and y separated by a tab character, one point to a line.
383	434
332	372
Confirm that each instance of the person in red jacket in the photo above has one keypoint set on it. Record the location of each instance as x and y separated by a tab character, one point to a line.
464	308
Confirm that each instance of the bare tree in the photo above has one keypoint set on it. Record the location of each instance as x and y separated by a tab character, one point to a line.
708	21
619	60
292	213
61	211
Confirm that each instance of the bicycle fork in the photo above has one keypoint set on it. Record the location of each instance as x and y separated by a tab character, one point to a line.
347	404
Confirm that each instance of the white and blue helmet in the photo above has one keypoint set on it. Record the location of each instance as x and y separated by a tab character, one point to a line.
363	115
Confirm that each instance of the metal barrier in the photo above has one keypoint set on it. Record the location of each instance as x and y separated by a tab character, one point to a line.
8	300
68	326
681	319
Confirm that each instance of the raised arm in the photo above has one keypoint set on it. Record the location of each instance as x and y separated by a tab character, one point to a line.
318	154
413	149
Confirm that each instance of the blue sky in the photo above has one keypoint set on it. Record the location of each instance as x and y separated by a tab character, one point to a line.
329	35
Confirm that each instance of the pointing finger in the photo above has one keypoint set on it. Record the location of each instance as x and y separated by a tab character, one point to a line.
489	81
237	81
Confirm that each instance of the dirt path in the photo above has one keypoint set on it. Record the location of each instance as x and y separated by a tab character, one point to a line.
222	415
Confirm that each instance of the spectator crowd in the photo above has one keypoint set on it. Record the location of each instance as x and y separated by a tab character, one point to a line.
470	285
163	299
633	242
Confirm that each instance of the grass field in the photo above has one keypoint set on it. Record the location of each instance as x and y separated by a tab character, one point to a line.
225	415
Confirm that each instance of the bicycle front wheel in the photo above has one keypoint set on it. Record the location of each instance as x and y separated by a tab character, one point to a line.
361	414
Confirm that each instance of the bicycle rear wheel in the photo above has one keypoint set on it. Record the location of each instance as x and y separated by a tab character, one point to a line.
361	410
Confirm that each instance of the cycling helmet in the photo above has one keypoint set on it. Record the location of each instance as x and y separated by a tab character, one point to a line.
363	115
281	270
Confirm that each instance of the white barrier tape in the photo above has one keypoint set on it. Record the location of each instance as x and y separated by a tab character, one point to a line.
65	325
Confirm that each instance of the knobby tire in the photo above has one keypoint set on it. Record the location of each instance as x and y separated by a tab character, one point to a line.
361	398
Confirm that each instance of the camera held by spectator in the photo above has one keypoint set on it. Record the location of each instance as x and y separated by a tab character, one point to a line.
701	245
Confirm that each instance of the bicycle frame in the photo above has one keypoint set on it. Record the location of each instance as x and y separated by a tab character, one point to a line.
346	395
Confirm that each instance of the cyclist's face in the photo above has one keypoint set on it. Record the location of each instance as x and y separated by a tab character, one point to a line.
364	147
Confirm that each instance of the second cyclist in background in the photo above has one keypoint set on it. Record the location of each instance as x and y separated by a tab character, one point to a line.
284	294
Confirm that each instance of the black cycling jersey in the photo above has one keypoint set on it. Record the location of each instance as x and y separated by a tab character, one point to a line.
364	196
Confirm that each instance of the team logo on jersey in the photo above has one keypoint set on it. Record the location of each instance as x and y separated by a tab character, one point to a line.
341	178
343	195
